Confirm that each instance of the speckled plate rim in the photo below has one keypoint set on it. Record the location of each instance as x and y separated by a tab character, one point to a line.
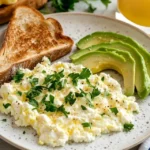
99	16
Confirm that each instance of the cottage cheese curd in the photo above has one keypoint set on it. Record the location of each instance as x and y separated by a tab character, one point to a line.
65	102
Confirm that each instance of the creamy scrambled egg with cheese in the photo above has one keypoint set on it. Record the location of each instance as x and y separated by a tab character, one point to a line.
66	102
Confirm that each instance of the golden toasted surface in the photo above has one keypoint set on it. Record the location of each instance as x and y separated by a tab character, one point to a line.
7	11
29	37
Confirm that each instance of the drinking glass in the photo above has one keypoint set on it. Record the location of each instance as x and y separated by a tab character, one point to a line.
137	11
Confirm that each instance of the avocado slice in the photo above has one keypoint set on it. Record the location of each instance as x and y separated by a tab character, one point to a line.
102	37
108	59
142	80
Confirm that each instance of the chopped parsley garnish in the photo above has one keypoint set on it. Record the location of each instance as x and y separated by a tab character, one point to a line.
19	93
85	73
6	105
103	78
33	92
102	114
83	107
34	81
86	124
43	71
81	94
128	126
135	112
62	109
91	8
61	84
74	77
4	120
70	98
24	132
33	102
54	81
114	110
95	92
18	77
88	98
86	95
50	106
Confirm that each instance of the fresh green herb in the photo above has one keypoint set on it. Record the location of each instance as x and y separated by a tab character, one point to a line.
74	77
135	112
88	98
4	120
66	5
83	107
103	78
106	2
6	105
19	93
86	124
88	82
19	76
24	132
30	77
70	98
128	126
50	106
62	109
33	102
33	92
81	94
61	84
102	114
51	98
44	98
91	8
54	81
85	73
43	71
34	81
114	110
95	93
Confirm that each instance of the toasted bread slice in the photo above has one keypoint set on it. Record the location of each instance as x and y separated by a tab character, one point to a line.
7	11
29	37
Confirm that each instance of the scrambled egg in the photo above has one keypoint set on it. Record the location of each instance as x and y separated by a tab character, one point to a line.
66	102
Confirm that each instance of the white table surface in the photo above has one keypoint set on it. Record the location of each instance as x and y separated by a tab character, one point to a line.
80	7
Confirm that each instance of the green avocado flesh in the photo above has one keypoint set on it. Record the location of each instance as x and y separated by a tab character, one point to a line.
110	59
142	80
103	37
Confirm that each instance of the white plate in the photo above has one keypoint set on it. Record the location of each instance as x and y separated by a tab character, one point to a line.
76	26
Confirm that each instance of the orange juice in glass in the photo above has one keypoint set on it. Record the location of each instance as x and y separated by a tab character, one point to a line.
137	11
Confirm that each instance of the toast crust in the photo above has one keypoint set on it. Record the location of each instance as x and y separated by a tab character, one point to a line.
6	12
25	44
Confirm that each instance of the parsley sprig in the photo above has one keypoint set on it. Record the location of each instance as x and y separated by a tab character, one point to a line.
55	81
86	124
85	74
6	105
128	127
51	107
66	5
70	98
18	76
